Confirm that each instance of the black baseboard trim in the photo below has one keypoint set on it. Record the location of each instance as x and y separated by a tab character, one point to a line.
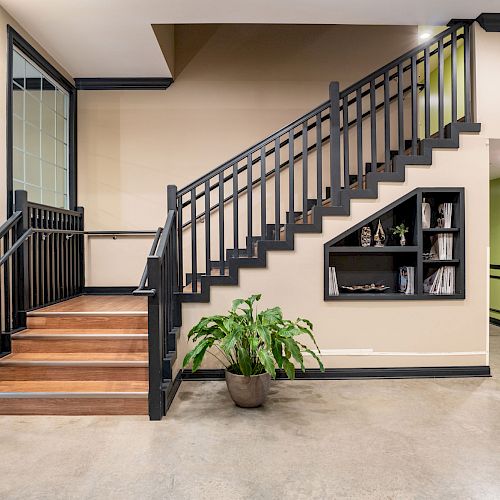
108	290
123	83
361	373
172	390
495	321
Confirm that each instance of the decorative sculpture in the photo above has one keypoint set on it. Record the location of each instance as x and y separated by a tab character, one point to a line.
379	237
366	236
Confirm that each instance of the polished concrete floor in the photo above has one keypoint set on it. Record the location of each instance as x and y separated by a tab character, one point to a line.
387	439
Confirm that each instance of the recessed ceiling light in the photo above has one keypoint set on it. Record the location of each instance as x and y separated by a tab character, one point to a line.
424	36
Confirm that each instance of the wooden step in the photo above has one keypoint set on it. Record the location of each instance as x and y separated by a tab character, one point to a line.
59	340
73	398
74	366
87	320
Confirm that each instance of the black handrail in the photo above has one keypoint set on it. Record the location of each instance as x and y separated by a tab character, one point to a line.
322	107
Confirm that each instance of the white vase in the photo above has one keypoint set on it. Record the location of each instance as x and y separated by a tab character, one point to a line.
402	240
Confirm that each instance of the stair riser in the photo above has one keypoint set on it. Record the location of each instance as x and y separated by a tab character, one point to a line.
73	406
97	322
80	345
37	372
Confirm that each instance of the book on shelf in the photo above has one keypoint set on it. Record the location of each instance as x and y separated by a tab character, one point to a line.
445	211
441	282
333	286
407	280
442	247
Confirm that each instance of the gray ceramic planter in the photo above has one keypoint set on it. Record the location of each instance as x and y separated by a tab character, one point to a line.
248	392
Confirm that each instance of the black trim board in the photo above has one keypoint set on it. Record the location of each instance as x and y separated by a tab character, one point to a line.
15	39
108	290
489	21
360	373
153	83
495	321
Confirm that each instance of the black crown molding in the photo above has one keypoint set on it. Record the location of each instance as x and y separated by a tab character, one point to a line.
489	21
155	83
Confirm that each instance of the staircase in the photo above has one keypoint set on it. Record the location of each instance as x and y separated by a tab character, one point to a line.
84	356
95	361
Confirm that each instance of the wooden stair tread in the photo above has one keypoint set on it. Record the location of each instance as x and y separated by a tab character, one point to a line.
99	303
31	333
43	313
97	387
75	357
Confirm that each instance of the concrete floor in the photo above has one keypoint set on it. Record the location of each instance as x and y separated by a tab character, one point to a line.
417	439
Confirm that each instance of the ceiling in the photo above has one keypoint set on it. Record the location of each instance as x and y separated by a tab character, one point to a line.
494	158
114	38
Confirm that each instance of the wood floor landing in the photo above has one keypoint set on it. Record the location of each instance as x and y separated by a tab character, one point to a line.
100	303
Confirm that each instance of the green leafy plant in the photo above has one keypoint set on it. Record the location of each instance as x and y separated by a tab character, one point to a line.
400	230
250	343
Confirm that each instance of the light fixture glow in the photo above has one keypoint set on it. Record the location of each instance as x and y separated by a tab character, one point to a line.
424	36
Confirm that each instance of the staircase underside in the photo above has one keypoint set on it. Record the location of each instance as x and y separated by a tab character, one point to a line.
313	223
83	356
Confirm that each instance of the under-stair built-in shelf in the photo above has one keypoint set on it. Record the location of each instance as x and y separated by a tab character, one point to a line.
368	262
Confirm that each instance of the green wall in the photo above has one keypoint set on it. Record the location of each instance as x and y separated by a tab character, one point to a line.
447	94
495	245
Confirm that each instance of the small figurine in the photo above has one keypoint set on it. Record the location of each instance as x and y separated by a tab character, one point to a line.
366	236
379	237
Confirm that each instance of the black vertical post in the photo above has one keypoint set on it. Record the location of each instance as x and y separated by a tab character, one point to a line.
359	136
277	188
81	249
235	210
373	126
414	106
249	206
454	77
194	243
208	265
263	178
427	99
155	344
467	73
22	285
401	123
221	223
305	174
319	162
291	179
334	143
387	124
440	88
345	133
175	267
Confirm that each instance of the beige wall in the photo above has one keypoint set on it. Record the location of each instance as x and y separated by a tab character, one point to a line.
6	19
390	333
234	86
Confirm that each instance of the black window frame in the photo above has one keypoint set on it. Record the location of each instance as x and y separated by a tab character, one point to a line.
14	39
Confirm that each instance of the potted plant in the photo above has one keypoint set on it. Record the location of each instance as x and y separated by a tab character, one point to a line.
400	230
250	346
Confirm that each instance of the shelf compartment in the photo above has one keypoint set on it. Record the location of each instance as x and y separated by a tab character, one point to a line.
373	249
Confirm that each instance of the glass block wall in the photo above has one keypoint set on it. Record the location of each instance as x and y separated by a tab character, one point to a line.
40	134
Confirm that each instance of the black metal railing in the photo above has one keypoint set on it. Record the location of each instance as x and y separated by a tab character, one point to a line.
42	261
160	283
329	150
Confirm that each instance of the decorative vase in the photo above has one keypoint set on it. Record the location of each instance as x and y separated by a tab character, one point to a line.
366	236
379	237
402	240
426	215
248	392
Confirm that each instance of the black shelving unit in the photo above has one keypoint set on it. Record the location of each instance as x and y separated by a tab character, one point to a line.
357	265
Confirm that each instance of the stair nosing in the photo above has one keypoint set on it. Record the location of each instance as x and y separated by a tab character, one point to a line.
86	313
74	395
78	336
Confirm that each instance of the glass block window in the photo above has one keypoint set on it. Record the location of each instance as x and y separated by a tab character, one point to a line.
40	134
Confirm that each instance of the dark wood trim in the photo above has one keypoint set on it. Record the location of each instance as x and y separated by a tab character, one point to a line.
14	39
489	21
495	321
123	83
360	373
109	290
494	266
